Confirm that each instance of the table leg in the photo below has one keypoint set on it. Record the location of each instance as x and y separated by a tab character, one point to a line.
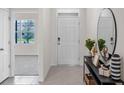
84	71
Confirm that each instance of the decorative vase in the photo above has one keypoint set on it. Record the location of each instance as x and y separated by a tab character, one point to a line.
115	67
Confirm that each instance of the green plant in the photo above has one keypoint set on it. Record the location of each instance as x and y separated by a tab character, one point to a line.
89	43
101	44
28	36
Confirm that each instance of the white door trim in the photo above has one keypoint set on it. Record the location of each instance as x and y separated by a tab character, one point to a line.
12	49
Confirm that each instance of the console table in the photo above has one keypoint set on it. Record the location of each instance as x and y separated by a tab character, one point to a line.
100	80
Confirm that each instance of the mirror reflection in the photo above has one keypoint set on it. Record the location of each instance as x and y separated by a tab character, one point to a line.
106	34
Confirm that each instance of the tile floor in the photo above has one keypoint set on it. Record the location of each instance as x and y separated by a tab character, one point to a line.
57	75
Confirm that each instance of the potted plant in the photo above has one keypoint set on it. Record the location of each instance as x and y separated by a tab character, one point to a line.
89	44
101	44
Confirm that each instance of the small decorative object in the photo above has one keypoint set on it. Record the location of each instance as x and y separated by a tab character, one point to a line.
105	53
104	71
115	67
95	60
101	44
107	73
89	44
101	71
93	50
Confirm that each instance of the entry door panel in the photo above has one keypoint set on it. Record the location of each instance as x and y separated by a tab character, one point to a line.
4	46
68	45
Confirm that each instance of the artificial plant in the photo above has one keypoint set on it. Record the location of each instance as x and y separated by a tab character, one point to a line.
89	43
101	44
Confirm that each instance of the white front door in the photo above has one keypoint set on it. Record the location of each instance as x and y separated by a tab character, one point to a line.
68	39
4	46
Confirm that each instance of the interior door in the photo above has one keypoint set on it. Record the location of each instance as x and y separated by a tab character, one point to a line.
4	46
68	39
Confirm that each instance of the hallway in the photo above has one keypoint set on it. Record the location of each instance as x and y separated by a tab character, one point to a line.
58	75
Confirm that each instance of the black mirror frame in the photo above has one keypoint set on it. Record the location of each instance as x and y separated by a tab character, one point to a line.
115	24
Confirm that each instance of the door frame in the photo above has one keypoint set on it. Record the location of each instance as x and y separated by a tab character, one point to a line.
57	37
12	49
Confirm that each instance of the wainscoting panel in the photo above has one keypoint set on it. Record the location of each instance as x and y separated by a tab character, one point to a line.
26	65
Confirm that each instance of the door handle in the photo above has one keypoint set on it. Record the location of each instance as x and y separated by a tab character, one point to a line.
1	49
58	40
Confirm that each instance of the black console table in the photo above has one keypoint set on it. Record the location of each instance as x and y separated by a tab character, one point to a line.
100	80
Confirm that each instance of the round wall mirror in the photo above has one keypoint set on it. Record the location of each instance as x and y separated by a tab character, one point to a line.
106	34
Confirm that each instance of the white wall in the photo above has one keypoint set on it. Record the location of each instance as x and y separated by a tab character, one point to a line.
44	42
47	41
92	19
83	34
53	37
92	15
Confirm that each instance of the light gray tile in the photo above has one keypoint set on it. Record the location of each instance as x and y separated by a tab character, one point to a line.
57	75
